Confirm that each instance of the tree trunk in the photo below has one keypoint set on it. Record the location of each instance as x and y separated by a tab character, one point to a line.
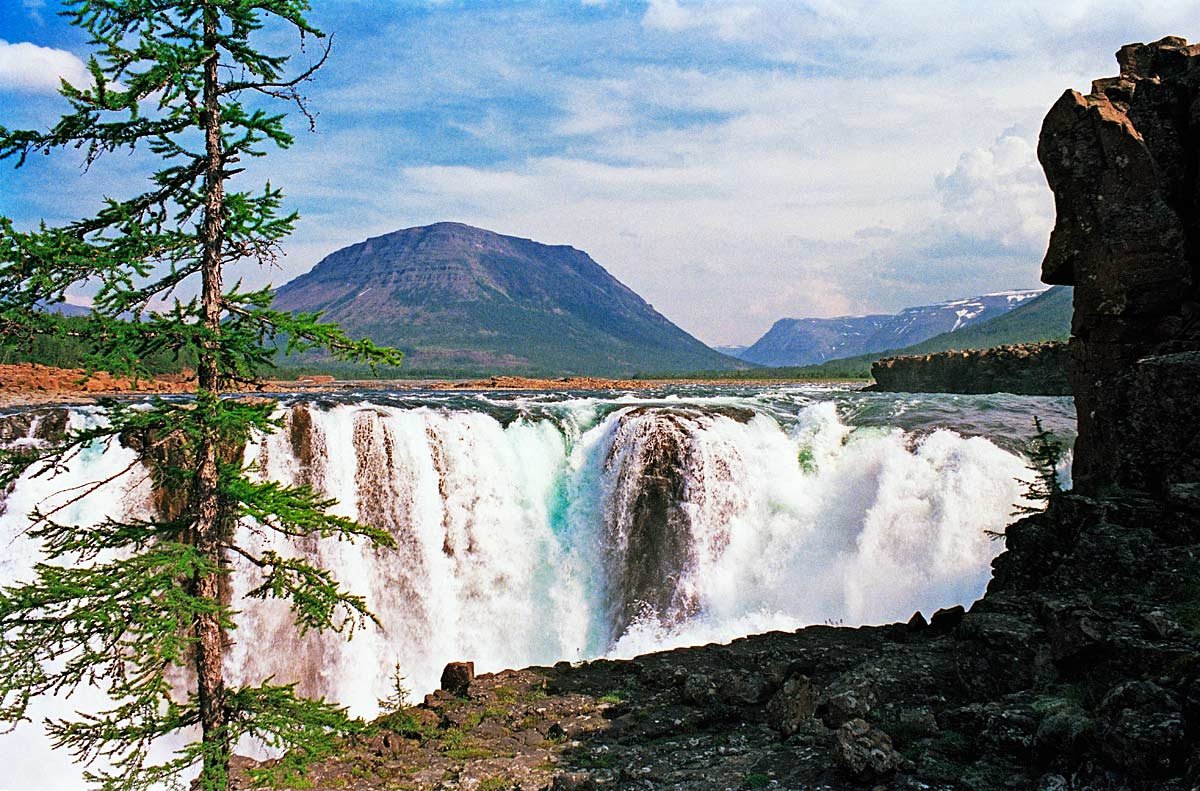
210	680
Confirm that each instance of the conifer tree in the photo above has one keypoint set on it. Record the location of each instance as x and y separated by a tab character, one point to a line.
1045	454
124	604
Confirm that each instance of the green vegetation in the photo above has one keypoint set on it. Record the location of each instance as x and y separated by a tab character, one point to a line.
1045	456
400	693
494	784
64	343
1043	318
123	604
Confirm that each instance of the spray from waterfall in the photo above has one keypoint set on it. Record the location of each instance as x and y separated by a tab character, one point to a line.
585	528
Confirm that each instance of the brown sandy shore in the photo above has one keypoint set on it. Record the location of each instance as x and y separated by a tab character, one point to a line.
27	384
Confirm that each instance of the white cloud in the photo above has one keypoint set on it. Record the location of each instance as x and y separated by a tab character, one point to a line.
998	194
28	67
728	21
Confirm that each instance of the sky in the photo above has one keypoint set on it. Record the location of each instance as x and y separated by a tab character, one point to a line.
733	162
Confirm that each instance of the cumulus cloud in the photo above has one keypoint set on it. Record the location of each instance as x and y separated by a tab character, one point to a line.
998	195
28	67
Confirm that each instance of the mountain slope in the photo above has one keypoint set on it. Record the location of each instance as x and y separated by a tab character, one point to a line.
1044	318
808	341
462	299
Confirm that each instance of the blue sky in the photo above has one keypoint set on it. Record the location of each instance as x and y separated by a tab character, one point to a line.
734	162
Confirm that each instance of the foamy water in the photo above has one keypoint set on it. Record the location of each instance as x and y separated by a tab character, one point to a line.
541	527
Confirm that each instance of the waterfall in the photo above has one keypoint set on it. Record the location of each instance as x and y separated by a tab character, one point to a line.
587	528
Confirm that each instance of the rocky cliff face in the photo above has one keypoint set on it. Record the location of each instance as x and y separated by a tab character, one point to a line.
1024	369
1124	164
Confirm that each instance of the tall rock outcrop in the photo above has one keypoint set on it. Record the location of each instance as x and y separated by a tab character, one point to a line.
1124	165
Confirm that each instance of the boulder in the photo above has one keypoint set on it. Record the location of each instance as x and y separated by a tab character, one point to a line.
864	751
917	622
457	678
793	705
1143	728
944	620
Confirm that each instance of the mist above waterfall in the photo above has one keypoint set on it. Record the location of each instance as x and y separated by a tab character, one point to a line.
533	529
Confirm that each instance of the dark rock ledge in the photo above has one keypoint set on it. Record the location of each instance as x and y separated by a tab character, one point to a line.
1023	369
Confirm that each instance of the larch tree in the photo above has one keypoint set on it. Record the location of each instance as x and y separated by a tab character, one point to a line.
124	604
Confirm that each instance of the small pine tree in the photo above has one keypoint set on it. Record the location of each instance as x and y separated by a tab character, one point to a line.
1045	454
119	604
399	695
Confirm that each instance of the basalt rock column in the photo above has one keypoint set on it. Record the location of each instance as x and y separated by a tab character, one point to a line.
1124	165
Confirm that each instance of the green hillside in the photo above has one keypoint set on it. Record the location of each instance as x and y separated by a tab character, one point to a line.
1044	318
458	299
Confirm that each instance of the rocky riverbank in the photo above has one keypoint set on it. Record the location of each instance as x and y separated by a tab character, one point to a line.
1023	369
1080	669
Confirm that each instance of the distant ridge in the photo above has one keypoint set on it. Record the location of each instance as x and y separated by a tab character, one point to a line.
1044	318
466	300
809	341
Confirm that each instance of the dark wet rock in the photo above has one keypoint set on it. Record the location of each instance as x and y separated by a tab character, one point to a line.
917	622
1072	627
649	546
848	701
946	619
792	706
44	424
1186	495
728	687
1162	392
1024	369
457	678
864	750
1143	728
573	781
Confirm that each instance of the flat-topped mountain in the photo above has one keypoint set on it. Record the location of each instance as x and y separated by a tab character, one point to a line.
463	299
808	341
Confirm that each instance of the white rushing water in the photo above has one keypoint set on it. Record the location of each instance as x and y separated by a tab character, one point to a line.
589	528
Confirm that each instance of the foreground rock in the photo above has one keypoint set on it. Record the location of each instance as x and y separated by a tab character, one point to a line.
1124	164
1024	369
1080	669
